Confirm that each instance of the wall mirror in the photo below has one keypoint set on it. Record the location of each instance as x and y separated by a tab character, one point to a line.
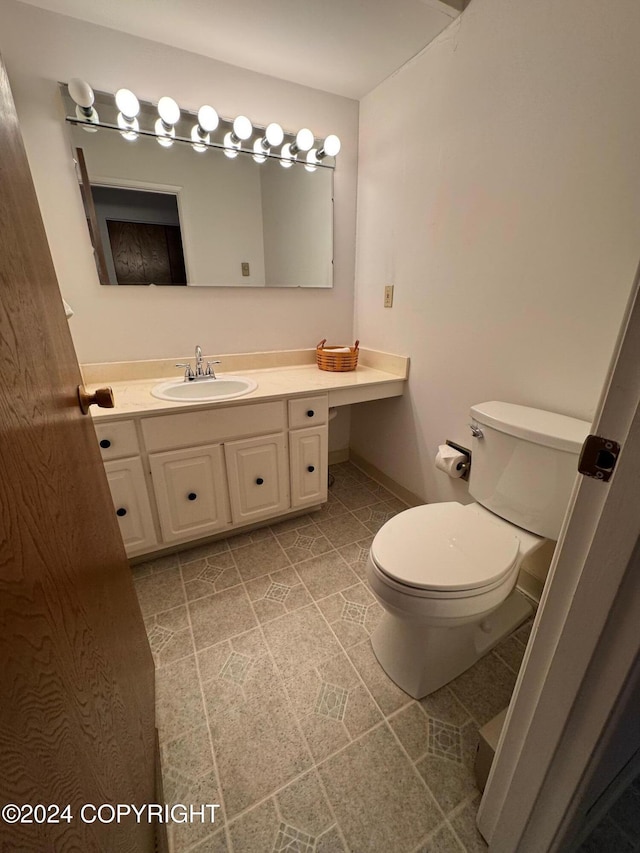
178	216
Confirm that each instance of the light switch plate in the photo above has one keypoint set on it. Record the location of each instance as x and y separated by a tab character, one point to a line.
245	268
388	296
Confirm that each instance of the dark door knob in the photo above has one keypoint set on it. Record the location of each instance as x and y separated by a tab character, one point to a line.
310	413
105	443
259	481
311	469
192	496
121	512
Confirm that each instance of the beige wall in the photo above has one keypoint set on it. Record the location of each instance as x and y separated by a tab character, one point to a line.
499	190
110	323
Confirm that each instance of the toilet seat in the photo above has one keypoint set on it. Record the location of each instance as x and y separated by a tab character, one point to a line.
444	550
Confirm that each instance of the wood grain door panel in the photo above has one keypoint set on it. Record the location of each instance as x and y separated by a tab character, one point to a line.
76	673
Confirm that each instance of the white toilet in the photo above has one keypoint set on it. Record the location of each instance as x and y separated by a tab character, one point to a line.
445	573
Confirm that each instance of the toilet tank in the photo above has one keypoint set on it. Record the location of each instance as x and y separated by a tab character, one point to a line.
525	463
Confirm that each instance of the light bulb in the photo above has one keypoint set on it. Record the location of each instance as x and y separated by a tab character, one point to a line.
230	148
200	140
163	135
286	156
128	128
331	146
168	110
127	103
81	92
258	151
274	134
208	118
312	161
242	127
304	140
83	96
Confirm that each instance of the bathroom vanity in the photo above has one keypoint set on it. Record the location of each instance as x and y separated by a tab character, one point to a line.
185	472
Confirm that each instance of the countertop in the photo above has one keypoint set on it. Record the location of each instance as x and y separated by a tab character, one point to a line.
367	382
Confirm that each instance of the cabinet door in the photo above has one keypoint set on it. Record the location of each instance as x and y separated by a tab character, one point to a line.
131	502
308	457
258	477
191	491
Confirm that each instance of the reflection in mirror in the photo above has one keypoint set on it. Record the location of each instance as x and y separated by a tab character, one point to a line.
175	215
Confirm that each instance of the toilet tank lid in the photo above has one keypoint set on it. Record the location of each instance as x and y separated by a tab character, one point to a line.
545	428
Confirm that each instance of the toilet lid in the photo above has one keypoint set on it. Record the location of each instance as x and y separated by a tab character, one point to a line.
442	547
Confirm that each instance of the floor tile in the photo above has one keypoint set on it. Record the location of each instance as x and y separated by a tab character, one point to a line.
179	706
356	554
237	678
220	616
443	840
511	651
626	813
159	591
258	749
185	759
332	705
303	542
300	640
463	822
353	494
447	768
208	836
375	515
154	565
380	804
388	695
169	635
353	614
292	523
342	529
607	837
326	574
200	551
276	594
260	558
210	574
485	689
443	705
411	727
303	805
330	509
249	538
330	842
256	831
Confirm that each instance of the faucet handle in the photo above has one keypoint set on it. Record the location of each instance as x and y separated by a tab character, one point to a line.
188	373
210	371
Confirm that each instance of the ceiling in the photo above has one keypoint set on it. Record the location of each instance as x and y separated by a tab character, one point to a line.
342	46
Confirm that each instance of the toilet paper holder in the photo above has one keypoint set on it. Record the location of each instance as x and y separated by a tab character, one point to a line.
467	453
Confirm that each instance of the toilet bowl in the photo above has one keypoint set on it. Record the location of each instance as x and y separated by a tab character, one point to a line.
445	573
445	576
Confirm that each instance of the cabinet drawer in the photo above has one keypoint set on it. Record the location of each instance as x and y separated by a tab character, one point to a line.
308	411
131	503
308	459
212	425
191	492
117	439
258	477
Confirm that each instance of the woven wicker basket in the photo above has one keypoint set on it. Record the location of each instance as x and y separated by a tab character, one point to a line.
328	359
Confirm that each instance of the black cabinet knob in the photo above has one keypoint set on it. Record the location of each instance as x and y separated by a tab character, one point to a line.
192	496
105	443
121	511
259	481
310	469
310	413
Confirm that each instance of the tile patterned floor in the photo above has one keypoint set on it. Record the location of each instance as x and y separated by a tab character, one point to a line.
271	702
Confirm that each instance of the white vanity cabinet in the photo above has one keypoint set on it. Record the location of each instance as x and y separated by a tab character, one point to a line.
258	478
210	470
191	492
118	441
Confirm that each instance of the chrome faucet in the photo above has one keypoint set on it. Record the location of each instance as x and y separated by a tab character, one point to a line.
191	375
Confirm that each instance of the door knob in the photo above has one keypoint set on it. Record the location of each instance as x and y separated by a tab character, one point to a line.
101	397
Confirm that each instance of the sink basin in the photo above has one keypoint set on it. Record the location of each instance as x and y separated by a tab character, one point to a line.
203	390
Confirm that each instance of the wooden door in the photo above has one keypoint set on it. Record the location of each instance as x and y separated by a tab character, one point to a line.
76	673
145	253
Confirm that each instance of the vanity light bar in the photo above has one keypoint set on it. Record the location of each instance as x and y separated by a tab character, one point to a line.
301	148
